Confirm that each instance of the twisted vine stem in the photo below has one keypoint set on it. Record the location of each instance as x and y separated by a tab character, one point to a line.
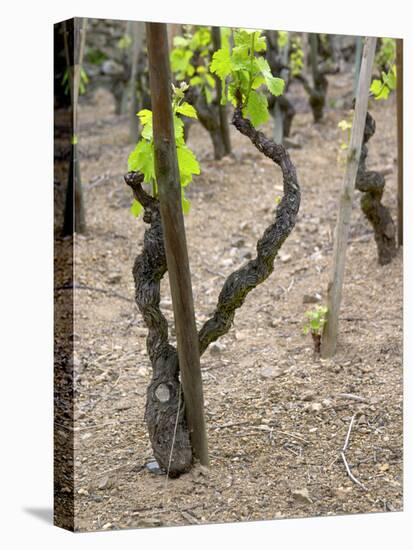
255	271
164	416
163	413
372	183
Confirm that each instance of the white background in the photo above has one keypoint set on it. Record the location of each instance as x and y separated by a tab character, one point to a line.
26	306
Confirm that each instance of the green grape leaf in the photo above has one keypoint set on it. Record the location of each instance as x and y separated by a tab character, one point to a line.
274	84
186	204
179	130
379	90
390	79
136	208
258	80
210	80
180	60
188	165
225	37
221	63
145	116
141	159
243	39
375	87
187	110
195	81
282	39
257	108
208	96
180	42
315	324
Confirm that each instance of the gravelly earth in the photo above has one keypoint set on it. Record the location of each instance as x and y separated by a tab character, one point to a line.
277	415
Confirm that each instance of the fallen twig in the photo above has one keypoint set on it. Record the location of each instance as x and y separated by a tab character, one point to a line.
343	456
353	397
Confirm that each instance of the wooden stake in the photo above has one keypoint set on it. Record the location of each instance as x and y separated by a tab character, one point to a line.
74	33
335	284
167	176
399	67
359	49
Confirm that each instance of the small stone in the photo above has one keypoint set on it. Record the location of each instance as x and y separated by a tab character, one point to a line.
199	471
115	278
123	406
245	253
302	495
308	396
104	483
326	403
285	258
153	467
227	262
111	67
275	322
271	372
83	491
142	371
245	225
311	298
149	522
239	243
362	419
216	348
342	492
107	526
315	407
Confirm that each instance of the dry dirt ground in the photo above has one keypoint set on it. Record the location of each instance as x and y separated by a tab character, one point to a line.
277	416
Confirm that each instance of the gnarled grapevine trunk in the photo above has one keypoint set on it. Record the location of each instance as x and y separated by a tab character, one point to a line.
372	183
317	94
280	107
318	91
210	115
164	415
164	395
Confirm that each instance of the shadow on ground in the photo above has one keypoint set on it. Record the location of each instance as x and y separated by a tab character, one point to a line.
45	514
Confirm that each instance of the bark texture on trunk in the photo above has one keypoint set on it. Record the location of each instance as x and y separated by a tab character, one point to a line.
166	427
318	91
255	271
164	396
209	115
372	183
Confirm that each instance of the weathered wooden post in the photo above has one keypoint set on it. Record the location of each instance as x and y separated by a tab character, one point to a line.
74	33
399	68
167	177
335	285
357	62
